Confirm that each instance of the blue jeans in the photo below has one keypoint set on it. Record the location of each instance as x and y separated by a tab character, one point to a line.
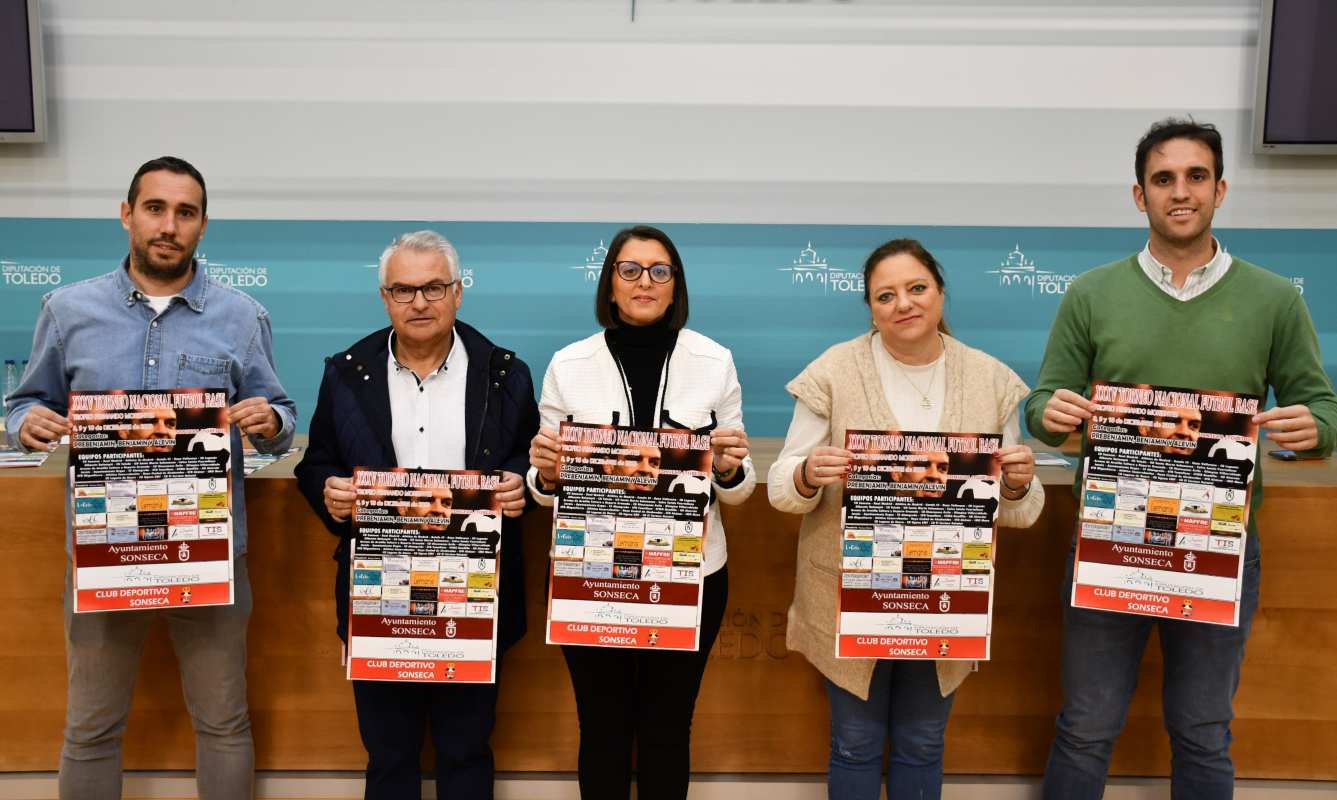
905	704
1102	652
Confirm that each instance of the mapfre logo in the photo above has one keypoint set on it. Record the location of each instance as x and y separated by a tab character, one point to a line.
594	262
12	273
811	269
238	277
1016	270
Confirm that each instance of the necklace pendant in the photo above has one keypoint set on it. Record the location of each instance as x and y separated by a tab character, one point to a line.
926	404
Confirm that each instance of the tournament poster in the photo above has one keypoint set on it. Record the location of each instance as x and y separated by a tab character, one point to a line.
629	533
917	545
150	480
1167	475
424	583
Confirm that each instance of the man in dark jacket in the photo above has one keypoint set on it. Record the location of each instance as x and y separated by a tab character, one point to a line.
429	392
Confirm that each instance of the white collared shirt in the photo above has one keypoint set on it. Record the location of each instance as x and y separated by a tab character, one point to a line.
427	415
1198	281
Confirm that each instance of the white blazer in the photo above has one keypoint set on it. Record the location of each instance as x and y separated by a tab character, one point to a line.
583	382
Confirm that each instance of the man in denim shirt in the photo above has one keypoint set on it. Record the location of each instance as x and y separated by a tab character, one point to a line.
157	322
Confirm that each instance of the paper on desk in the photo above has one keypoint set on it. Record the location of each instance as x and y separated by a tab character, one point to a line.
253	460
17	458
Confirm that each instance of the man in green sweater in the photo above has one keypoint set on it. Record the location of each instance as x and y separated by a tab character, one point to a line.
1183	313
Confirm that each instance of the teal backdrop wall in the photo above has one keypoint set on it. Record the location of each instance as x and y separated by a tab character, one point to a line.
777	295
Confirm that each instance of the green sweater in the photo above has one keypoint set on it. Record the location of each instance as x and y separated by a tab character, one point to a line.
1251	330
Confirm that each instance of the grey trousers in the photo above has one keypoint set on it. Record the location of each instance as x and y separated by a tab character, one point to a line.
102	654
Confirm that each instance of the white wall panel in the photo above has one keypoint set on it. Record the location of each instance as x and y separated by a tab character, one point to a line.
987	113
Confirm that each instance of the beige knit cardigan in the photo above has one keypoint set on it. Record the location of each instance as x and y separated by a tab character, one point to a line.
843	386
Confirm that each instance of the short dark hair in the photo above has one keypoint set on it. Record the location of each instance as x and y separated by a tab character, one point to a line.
168	164
917	251
603	295
1175	128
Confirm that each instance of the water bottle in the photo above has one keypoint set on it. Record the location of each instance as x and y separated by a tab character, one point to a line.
11	377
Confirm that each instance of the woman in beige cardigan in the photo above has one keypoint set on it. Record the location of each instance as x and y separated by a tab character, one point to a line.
907	374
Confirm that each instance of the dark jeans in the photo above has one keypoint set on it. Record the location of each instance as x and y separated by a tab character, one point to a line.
1101	654
905	705
645	697
392	717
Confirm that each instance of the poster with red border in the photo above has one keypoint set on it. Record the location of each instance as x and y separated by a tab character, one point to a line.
629	535
424	577
1167	475
150	478
917	546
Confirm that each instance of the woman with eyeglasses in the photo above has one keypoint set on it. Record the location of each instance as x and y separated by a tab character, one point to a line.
906	374
647	370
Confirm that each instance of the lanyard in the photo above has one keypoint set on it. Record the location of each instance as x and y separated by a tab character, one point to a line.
626	388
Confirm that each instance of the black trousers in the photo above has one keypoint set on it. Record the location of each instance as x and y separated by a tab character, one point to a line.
392	718
646	699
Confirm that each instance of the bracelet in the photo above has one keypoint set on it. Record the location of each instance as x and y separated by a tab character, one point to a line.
803	478
1025	490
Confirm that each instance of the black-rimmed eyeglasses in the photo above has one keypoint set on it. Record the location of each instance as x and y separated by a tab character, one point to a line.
431	292
631	271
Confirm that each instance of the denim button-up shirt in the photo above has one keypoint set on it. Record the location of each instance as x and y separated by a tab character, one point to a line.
102	334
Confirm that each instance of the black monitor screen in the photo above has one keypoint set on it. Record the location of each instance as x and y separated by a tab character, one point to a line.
1302	73
16	91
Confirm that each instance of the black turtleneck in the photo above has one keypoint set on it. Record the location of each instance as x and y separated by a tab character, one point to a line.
642	350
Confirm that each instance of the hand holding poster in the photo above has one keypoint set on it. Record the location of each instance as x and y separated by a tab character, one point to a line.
629	528
916	579
150	480
424	582
1167	476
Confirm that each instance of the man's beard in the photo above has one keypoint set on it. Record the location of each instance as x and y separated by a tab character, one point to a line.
162	272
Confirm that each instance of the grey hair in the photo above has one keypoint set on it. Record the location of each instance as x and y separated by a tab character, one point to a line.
423	242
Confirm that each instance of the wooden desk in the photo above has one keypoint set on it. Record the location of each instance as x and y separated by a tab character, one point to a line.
762	709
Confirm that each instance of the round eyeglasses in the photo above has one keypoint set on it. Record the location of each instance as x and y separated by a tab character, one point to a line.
431	292
631	271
